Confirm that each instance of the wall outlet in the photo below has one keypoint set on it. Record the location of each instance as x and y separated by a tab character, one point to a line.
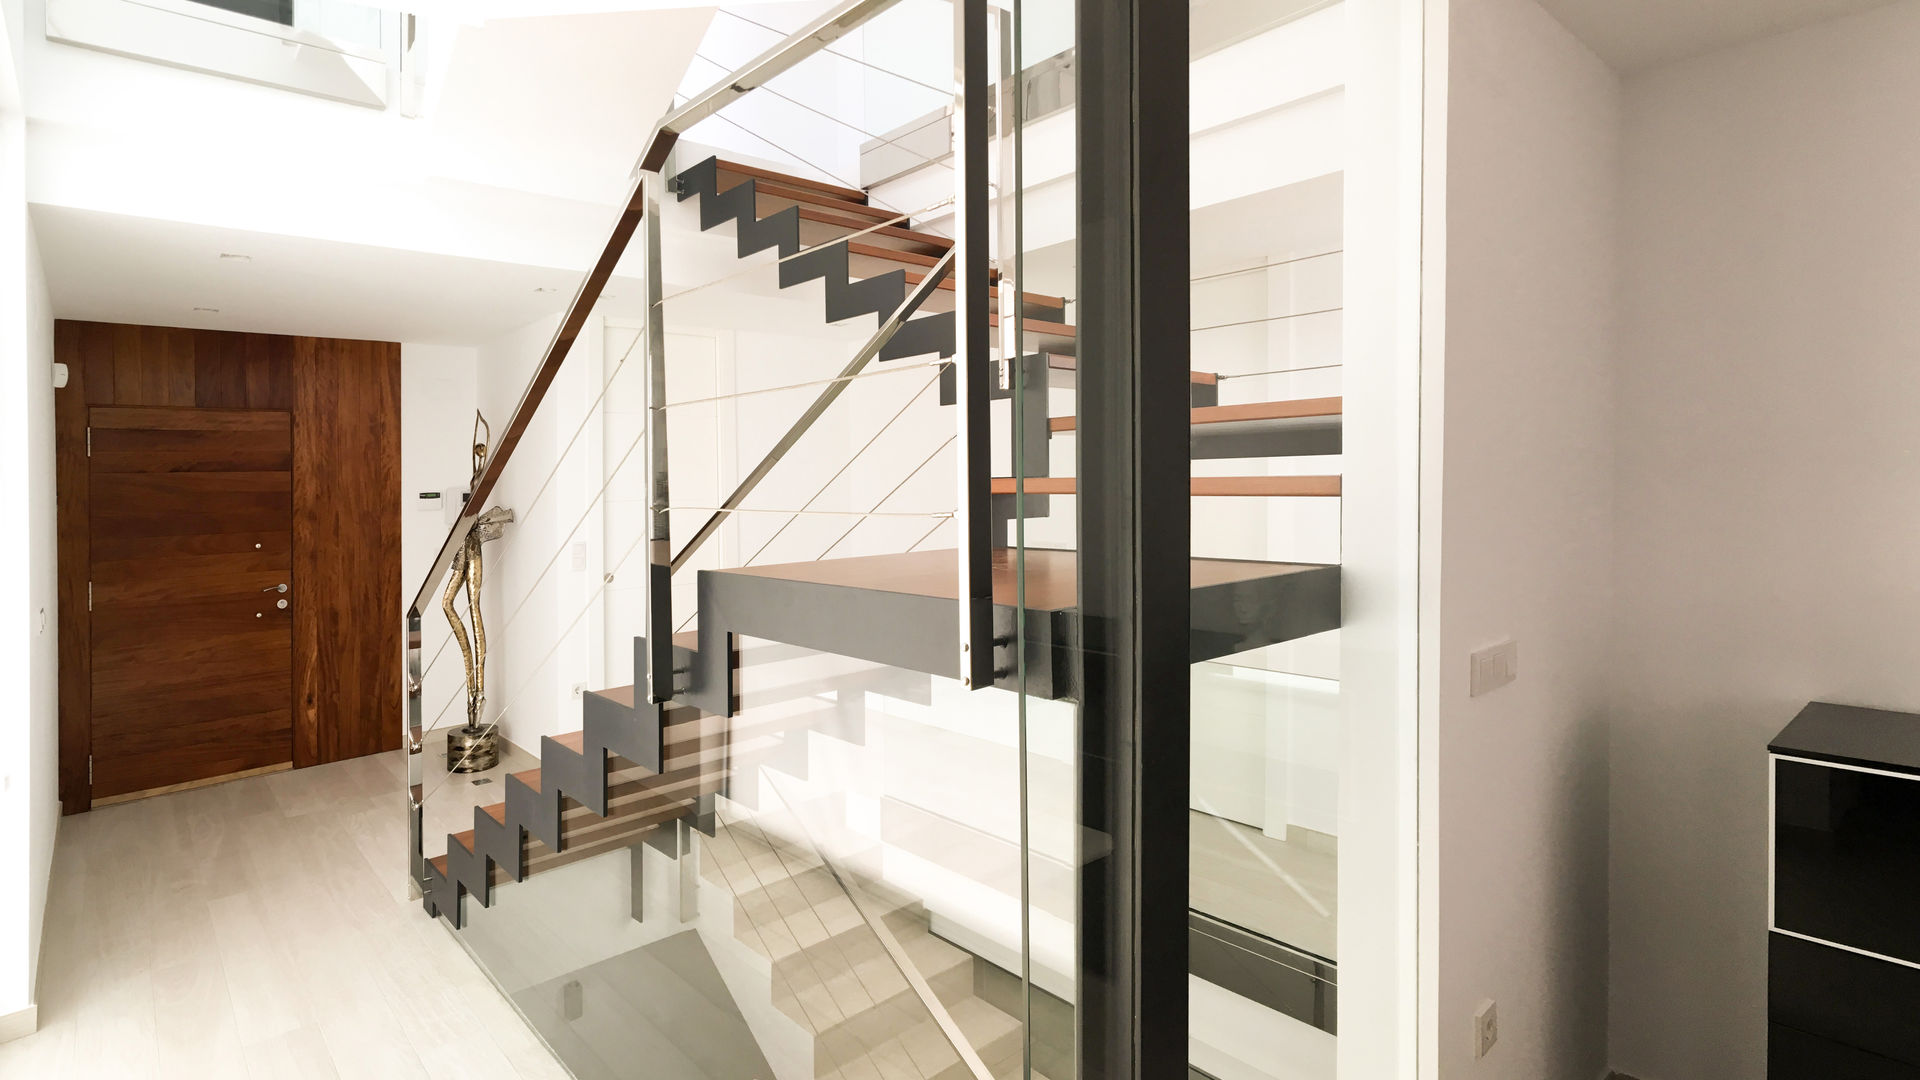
1494	667
1486	1029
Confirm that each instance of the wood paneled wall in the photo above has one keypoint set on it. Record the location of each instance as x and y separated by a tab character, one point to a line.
344	397
346	547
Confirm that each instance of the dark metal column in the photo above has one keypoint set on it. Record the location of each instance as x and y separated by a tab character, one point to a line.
658	676
973	341
1133	531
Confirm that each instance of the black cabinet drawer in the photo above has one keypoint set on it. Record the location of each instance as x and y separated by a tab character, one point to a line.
1847	857
1796	1055
1869	1004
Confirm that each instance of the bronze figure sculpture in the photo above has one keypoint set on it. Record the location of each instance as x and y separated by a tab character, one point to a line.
475	747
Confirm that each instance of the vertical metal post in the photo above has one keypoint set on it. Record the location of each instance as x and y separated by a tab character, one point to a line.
973	341
1029	437
658	589
1134	523
416	828
1007	243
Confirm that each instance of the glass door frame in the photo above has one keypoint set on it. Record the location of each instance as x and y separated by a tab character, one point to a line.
1133	160
1132	151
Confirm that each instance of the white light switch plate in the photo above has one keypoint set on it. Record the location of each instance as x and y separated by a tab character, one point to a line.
1486	1029
1494	667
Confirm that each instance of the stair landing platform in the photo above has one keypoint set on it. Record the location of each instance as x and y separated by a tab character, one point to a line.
899	609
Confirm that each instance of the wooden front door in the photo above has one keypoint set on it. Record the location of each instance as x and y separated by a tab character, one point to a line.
191	641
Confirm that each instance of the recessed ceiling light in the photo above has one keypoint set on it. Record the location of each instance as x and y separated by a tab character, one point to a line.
208	310
235	257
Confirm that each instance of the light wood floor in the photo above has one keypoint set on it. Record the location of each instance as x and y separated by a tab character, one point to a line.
259	929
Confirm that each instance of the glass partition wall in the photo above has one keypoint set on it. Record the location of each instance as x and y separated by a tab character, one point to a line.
978	566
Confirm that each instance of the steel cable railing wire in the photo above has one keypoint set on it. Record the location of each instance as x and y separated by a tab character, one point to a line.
945	92
823	114
527	514
842	471
599	497
1269	265
874	511
446	638
606	580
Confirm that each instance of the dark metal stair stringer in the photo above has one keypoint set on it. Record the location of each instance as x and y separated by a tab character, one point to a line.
847	297
609	729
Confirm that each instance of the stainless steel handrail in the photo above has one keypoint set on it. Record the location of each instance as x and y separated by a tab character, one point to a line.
798	46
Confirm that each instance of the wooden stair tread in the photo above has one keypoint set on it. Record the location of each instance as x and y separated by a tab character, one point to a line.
893	232
620	695
1231	414
947	285
781	195
1031	325
897	255
1063	362
844	193
1051	574
1270	486
575	741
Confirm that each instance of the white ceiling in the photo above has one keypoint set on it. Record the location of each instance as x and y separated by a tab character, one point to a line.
560	105
1634	34
114	268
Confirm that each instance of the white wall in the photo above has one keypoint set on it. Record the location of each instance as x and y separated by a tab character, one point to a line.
29	737
1525	542
438	387
1768	462
540	646
43	714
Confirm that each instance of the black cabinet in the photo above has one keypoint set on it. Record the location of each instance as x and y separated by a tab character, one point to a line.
1844	952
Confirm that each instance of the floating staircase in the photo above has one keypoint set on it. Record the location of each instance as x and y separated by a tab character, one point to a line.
636	765
896	610
631	768
833	979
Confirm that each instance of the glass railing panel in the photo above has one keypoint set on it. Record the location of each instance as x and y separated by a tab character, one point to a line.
552	563
818	479
1293	474
1267	749
609	967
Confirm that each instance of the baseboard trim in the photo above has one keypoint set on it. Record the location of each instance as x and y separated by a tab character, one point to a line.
190	785
20	1023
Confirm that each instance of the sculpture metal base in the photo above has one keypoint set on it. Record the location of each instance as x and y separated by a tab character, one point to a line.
470	750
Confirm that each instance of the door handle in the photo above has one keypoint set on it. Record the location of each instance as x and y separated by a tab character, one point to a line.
282	587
